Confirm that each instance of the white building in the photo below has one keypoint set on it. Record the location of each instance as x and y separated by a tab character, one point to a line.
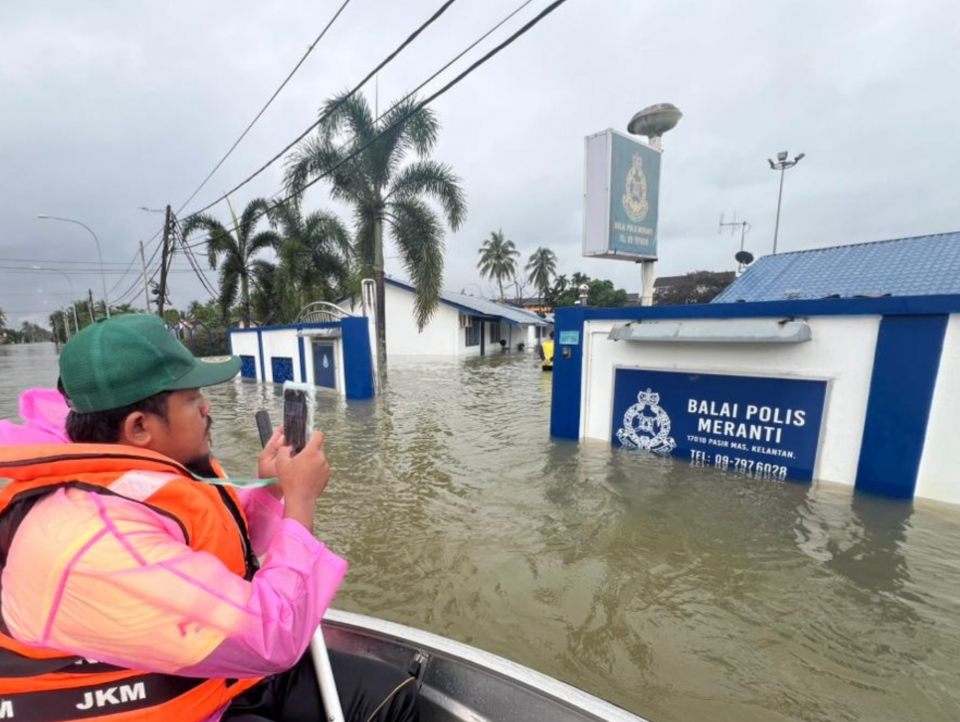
461	326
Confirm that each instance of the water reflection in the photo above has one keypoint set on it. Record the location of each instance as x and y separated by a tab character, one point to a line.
679	593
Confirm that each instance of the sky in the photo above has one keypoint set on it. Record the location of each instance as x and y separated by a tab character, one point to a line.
106	107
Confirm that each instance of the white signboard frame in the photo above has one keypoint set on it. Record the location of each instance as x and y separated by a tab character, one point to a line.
598	231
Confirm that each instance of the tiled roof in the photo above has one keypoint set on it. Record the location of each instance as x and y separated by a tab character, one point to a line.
481	306
919	266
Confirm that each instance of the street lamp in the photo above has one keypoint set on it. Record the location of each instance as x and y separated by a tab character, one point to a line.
103	278
76	323
584	293
653	122
782	165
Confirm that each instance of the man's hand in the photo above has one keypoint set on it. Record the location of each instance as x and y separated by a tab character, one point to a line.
302	478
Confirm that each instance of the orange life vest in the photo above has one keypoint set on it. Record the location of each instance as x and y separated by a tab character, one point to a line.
46	685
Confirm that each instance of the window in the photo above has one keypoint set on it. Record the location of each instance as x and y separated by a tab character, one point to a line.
282	369
248	367
494	332
472	334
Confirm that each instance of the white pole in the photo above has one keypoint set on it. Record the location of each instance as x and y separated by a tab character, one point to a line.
648	274
328	687
648	268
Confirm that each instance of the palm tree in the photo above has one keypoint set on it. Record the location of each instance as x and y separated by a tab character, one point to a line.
237	247
385	192
542	268
314	258
497	259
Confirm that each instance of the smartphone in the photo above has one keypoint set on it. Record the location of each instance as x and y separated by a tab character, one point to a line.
295	418
264	426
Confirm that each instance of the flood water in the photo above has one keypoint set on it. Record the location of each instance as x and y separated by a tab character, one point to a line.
680	594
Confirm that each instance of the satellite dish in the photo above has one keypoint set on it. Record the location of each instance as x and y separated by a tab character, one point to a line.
744	257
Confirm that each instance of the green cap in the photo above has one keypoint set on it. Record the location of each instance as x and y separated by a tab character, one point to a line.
120	361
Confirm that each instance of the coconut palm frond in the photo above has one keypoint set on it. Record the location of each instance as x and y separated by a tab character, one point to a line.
419	236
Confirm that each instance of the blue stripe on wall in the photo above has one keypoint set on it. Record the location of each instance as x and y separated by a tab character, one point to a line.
263	366
357	358
303	360
567	376
905	369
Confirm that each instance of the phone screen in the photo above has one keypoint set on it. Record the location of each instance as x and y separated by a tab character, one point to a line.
295	418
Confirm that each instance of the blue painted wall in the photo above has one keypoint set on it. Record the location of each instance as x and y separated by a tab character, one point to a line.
357	358
567	375
905	369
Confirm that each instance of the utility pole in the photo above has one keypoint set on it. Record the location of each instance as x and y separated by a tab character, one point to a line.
146	286
93	318
164	255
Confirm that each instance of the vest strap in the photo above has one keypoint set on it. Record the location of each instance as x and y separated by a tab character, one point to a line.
101	700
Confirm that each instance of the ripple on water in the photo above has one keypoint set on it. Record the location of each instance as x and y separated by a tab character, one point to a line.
681	594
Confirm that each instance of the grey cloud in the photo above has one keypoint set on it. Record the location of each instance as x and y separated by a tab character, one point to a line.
106	107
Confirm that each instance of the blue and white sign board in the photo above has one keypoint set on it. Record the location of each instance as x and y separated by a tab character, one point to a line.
621	198
761	426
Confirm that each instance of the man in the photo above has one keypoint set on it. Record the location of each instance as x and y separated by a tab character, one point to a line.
131	587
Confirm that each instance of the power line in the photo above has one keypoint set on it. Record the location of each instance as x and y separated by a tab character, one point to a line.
413	36
78	272
47	260
120	280
419	106
178	232
264	108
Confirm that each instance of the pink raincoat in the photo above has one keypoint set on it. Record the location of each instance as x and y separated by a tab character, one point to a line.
106	578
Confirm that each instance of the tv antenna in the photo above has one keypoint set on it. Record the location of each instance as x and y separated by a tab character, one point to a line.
744	258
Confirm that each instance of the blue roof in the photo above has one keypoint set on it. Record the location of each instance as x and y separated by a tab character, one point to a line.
919	266
473	305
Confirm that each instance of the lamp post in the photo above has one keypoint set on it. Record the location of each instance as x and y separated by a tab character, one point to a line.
103	278
76	323
782	165
653	122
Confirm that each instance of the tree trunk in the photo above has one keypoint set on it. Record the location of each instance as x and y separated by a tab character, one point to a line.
379	278
245	299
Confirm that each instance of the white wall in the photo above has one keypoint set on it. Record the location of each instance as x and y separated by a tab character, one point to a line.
442	336
281	343
245	344
938	477
841	351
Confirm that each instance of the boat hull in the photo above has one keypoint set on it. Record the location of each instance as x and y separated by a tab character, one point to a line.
460	683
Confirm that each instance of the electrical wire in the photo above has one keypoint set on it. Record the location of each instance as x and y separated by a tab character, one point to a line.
419	106
267	105
413	36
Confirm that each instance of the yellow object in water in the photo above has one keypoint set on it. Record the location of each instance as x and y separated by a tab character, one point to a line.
546	354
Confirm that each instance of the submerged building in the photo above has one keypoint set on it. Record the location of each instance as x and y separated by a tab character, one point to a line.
839	364
462	325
